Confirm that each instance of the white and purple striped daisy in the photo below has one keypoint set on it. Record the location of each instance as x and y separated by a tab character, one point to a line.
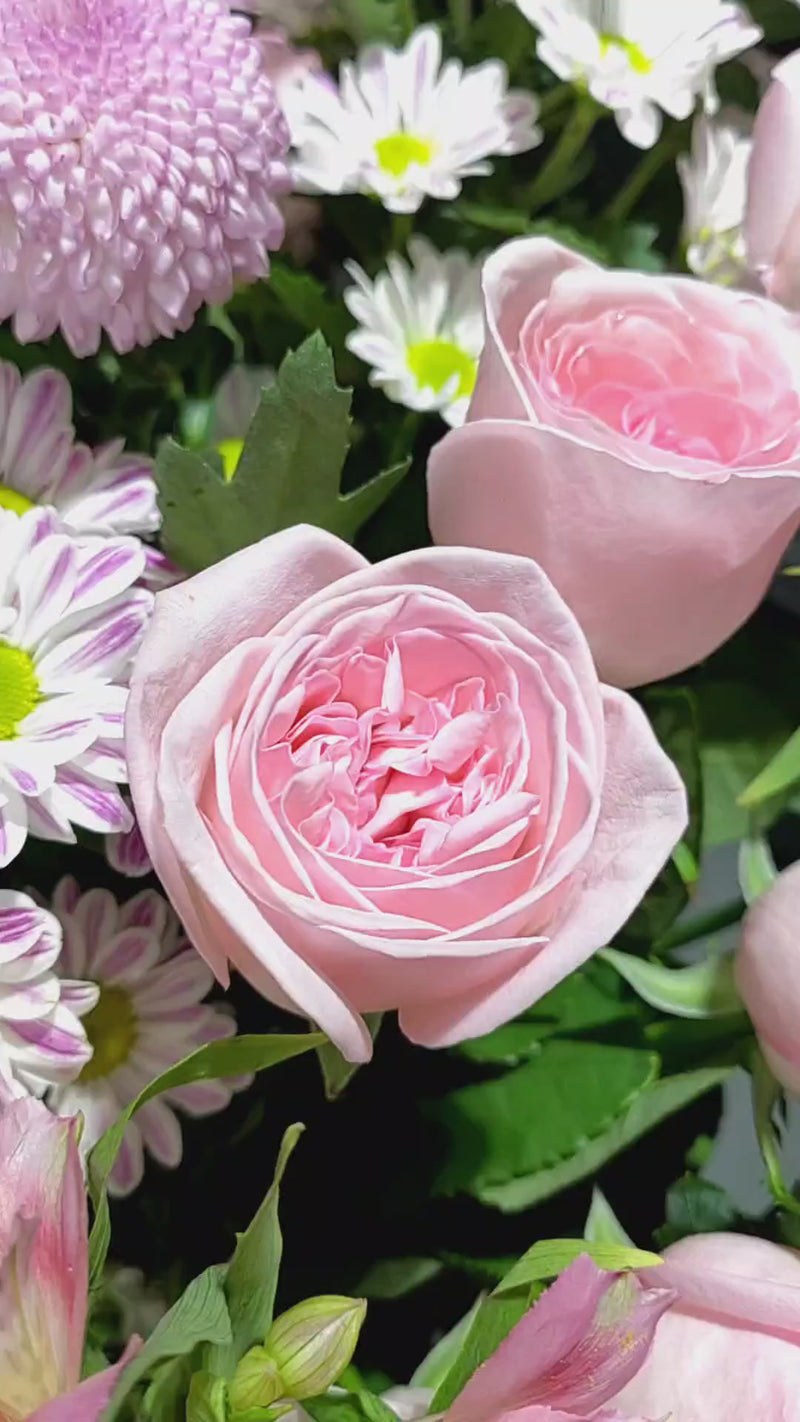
71	620
150	1015
103	490
42	1042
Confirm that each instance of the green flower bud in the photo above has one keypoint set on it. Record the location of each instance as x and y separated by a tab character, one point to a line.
312	1343
256	1382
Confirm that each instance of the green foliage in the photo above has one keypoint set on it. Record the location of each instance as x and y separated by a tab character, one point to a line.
550	1257
207	1400
394	1278
705	989
362	1406
289	470
337	1073
696	1206
492	1322
782	774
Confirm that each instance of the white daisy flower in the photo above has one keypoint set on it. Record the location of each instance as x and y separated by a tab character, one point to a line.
420	328
404	126
639	56
42	1042
714	179
70	623
101	490
150	1015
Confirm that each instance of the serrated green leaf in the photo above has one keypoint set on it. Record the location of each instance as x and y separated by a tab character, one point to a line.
199	1316
702	990
662	1099
580	1089
251	1281
548	1259
234	1056
289	470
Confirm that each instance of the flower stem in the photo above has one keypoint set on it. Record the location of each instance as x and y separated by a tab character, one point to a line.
461	19
402	227
554	176
642	176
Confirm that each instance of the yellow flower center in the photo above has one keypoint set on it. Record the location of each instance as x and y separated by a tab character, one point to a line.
636	56
231	451
14	502
399	151
112	1032
435	363
19	689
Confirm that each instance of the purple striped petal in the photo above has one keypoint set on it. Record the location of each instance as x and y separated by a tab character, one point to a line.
46	580
38	433
107	567
179	984
102	645
162	1133
128	957
79	997
160	571
90	803
127	853
148	909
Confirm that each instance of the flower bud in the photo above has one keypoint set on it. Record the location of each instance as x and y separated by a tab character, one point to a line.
312	1343
256	1382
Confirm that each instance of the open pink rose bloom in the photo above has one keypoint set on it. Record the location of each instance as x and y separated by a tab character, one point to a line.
391	787
639	437
44	1273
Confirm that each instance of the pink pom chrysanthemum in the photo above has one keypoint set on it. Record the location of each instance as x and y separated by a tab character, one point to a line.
141	151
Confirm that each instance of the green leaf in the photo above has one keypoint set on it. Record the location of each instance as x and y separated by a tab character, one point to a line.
337	1073
362	1406
756	867
580	1089
493	1321
548	1259
580	1004
696	1206
207	1400
741	728
305	299
199	1316
782	774
235	1056
252	1278
767	1095
289	470
702	990
662	1099
165	1398
433	1369
373	21
602	1225
394	1278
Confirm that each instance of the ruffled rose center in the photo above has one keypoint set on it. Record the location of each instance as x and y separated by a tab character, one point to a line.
377	764
673	370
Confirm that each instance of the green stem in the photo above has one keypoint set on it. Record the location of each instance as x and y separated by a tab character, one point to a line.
461	20
554	99
702	926
402	227
554	175
642	176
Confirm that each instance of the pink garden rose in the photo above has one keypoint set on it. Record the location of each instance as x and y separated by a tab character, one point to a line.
639	436
391	787
729	1350
44	1273
773	201
768	975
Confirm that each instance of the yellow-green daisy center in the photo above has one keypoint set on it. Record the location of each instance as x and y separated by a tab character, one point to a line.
399	151
19	689
14	502
230	451
635	55
435	363
111	1029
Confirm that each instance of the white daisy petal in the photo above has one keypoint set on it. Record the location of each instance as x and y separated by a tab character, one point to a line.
404	126
412	319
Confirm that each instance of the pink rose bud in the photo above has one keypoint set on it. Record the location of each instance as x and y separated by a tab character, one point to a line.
729	1348
398	787
637	435
768	975
773	204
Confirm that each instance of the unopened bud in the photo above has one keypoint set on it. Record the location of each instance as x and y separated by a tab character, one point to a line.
312	1343
256	1382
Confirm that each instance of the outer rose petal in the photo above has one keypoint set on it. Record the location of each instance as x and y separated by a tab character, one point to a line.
768	974
659	569
634	837
587	1334
241	597
730	1348
773	195
87	1402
